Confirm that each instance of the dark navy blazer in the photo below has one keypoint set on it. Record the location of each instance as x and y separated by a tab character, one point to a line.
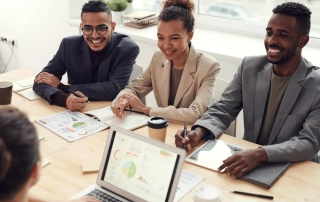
73	57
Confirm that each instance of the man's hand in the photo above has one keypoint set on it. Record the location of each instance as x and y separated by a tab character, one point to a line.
118	106
50	79
74	103
192	139
240	163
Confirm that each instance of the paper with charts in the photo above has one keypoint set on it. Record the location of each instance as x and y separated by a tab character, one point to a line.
71	125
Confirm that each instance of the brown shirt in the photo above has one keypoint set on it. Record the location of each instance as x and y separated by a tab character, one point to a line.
175	77
277	89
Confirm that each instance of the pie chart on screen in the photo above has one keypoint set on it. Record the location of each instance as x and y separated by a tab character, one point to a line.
129	169
79	125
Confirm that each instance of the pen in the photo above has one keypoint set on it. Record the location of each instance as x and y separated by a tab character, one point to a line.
75	94
185	133
132	110
251	194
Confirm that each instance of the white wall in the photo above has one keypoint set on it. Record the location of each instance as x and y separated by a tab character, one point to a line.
38	26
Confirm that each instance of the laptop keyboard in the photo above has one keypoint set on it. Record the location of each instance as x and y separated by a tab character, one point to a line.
102	196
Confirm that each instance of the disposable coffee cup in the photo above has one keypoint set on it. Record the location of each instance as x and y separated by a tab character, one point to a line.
5	92
157	128
207	193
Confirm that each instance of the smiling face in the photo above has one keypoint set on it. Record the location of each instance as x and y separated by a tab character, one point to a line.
173	40
96	41
283	42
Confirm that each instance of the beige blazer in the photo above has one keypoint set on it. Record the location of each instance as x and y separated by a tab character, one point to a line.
195	91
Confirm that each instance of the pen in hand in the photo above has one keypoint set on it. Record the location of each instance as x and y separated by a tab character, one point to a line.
185	133
79	96
132	110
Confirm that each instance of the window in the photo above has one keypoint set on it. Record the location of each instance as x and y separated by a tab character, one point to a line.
254	11
244	16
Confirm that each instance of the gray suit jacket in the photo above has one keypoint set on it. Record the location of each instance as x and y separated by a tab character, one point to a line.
295	135
73	58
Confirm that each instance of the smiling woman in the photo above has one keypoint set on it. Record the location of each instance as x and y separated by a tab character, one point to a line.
181	77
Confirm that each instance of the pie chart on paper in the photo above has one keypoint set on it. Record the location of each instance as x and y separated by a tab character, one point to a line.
79	125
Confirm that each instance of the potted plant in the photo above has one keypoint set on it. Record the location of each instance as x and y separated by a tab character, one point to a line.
129	7
117	7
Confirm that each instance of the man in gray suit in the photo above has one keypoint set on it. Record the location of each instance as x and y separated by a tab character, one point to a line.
98	64
279	94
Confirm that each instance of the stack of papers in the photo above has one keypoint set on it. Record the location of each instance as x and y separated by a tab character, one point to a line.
24	88
22	85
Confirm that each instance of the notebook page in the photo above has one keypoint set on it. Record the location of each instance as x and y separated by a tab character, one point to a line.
29	94
103	114
129	121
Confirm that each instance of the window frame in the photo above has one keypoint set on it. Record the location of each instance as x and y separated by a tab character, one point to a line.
237	27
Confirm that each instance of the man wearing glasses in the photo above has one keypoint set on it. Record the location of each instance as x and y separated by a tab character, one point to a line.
98	64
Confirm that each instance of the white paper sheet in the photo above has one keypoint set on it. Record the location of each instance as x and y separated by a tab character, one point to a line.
45	162
29	94
23	84
187	182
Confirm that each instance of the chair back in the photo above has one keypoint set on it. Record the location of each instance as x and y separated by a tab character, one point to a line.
137	70
220	86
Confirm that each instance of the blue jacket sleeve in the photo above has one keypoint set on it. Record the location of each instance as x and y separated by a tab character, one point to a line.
55	66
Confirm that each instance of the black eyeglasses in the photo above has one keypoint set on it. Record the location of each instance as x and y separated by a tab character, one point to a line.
101	30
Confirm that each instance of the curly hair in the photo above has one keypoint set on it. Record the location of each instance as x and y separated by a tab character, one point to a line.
19	151
299	11
178	10
95	6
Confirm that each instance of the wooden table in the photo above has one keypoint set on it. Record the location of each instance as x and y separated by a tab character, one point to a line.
63	177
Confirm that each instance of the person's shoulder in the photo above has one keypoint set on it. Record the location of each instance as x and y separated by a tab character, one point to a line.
313	72
256	59
206	59
73	39
124	40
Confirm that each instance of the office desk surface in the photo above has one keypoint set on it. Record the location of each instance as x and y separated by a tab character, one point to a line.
63	177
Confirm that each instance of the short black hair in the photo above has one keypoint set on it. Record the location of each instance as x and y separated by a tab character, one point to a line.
178	10
96	6
299	11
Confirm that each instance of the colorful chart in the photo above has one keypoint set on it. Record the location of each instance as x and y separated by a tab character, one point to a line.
129	169
80	125
117	155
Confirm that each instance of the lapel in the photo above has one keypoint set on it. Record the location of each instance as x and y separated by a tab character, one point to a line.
85	65
261	96
164	81
187	75
104	66
289	98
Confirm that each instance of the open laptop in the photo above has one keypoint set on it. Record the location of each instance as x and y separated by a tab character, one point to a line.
137	168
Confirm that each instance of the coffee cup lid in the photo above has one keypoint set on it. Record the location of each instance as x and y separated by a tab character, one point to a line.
157	122
5	84
207	193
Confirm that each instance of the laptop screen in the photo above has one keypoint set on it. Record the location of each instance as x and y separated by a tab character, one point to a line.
140	168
